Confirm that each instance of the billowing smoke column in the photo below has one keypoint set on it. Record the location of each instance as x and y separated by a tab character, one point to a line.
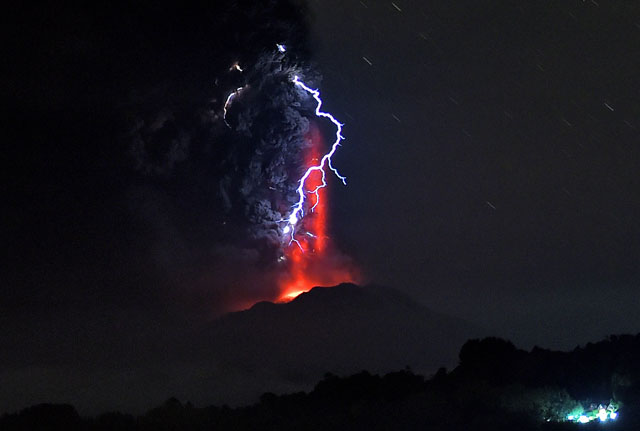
306	255
235	149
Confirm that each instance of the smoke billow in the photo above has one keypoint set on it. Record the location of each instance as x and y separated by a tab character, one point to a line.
269	123
227	139
135	212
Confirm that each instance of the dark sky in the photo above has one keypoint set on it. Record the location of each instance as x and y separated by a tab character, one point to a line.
492	154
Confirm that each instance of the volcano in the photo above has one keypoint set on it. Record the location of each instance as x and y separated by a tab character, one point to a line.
341	329
271	347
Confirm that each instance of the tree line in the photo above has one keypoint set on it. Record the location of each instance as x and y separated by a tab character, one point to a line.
495	386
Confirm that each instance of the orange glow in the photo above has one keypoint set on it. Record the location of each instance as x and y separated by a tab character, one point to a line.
291	295
314	263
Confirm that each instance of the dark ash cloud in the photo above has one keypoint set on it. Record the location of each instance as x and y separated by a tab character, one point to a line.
137	211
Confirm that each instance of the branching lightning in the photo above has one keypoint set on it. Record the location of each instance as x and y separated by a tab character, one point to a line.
298	210
315	261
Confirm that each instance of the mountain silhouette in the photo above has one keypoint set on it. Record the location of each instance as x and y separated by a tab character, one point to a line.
341	330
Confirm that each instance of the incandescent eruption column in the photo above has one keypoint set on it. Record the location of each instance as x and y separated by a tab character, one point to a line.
311	259
308	258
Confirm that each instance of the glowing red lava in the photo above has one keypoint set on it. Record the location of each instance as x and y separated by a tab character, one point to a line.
315	262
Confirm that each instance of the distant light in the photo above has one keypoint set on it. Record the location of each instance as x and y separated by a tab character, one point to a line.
583	419
571	417
602	415
281	47
613	415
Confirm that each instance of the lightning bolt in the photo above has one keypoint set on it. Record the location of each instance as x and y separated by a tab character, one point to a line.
297	211
230	98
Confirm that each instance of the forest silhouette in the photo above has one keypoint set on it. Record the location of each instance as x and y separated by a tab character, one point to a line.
495	386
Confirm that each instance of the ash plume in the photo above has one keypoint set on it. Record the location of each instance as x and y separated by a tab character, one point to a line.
223	127
255	158
268	121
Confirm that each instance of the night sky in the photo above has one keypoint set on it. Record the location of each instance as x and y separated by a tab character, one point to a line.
491	152
492	155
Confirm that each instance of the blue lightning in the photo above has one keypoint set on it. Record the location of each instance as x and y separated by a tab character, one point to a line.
297	212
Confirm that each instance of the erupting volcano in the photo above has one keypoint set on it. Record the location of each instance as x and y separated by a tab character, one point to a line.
284	182
311	259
